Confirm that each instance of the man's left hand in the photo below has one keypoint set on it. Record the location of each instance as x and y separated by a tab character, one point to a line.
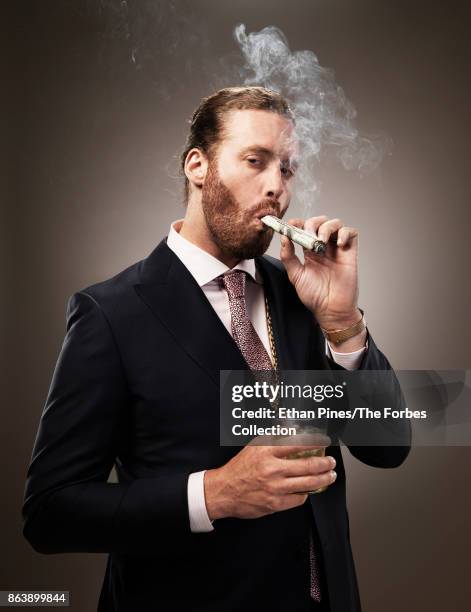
327	284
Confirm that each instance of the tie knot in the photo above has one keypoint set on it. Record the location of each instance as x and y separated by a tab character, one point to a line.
234	282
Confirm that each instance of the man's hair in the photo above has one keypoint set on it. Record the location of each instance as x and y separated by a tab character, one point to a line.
207	122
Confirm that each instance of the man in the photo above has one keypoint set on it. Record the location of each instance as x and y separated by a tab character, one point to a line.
192	525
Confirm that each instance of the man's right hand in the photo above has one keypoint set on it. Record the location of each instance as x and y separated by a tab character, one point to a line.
260	480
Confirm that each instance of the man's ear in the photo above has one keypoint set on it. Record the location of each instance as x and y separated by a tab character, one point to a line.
196	166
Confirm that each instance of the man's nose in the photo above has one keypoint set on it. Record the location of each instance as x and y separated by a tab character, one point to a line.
274	186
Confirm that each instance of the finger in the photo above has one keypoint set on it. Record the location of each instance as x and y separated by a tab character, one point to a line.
312	224
307	466
347	236
326	229
296	221
307	483
290	260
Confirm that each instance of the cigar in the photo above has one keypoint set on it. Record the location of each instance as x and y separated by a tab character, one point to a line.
307	240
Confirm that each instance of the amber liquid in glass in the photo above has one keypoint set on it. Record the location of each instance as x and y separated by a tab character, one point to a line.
312	452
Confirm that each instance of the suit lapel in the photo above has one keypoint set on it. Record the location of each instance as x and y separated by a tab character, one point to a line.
176	299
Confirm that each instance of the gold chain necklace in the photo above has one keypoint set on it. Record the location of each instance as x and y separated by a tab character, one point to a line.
271	336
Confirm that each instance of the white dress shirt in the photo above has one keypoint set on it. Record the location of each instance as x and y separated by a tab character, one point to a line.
205	269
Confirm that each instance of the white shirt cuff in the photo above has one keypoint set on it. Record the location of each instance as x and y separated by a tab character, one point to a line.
199	519
349	361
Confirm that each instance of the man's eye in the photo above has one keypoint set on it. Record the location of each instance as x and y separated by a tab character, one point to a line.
253	161
286	171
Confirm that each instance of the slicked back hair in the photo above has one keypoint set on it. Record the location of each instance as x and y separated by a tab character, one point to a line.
207	122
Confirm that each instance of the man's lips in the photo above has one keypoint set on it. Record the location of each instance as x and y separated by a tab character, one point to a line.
259	215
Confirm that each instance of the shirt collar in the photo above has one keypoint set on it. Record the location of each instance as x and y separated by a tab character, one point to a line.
201	265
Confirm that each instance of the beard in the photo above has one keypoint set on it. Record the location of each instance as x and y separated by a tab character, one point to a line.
232	228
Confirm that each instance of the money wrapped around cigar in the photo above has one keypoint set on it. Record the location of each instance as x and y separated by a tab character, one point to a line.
307	240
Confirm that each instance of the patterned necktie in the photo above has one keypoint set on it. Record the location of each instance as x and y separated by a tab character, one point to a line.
243	331
257	358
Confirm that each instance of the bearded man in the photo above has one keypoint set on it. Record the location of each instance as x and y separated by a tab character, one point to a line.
192	525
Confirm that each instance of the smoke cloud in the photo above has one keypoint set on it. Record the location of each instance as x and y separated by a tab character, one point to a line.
167	44
324	116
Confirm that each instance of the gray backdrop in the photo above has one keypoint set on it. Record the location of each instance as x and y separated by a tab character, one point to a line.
96	112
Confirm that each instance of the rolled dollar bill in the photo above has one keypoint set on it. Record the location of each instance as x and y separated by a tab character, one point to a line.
307	240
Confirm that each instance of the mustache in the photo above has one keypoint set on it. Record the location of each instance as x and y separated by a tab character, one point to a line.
268	206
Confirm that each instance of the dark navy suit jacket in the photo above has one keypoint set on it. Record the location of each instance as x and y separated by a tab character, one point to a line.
136	385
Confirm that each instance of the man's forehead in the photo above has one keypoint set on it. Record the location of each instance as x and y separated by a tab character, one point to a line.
260	129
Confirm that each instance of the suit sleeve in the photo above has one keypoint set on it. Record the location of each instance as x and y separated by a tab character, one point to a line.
397	431
69	506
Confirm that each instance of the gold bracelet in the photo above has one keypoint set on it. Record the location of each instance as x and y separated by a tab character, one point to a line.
337	336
